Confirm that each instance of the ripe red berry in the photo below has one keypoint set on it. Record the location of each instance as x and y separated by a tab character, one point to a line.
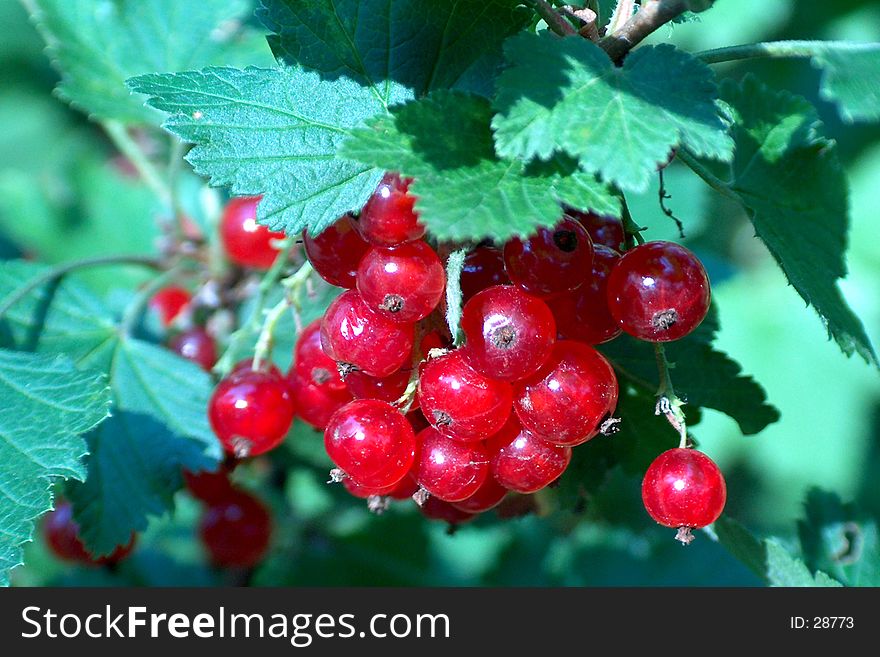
197	346
388	218
658	292
523	462
449	469
311	364
316	404
483	267
551	261
508	333
371	442
358	338
388	389
169	302
246	242
583	314
460	402
436	509
684	488
402	490
487	496
336	252
61	533
403	284
208	486
251	411
236	530
603	229
566	401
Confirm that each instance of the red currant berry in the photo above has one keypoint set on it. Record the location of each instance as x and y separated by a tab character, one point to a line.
169	302
404	284
388	218
583	314
483	267
434	340
460	402
566	401
553	260
208	486
371	442
312	365
508	333
684	488
236	530
436	509
246	242
486	497
603	229
251	411
363	492
448	469
197	346
359	338
316	404
525	463
658	292
336	252
388	389
61	532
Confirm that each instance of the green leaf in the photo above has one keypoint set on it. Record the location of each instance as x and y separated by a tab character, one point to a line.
768	559
54	318
159	399
795	190
565	95
134	469
97	44
840	540
396	48
464	192
703	377
273	132
50	404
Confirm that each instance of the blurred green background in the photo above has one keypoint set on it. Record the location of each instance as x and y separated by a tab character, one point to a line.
63	196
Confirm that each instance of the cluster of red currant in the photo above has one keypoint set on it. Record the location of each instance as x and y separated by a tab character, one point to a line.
405	413
61	534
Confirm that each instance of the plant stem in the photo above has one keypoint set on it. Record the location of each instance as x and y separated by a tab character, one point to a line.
651	15
269	280
632	231
668	403
708	177
555	21
623	11
293	286
175	160
128	147
59	271
781	49
135	309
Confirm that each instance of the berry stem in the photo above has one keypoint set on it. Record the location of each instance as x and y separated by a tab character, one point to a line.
59	271
255	321
175	159
555	21
632	231
779	49
293	287
664	196
668	403
708	177
454	266
128	147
